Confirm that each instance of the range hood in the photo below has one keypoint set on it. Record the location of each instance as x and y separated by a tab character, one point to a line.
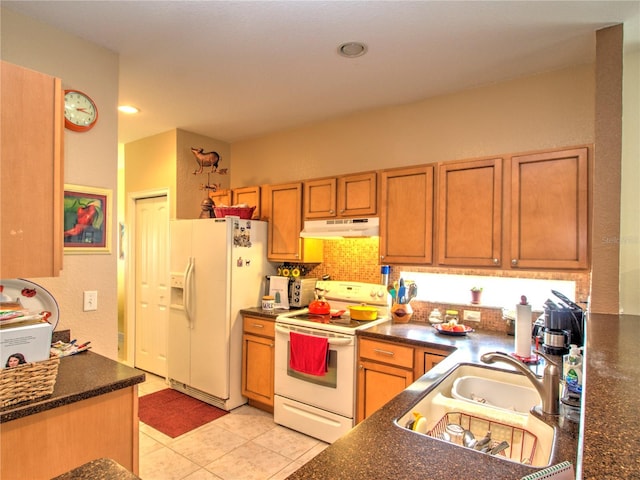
341	227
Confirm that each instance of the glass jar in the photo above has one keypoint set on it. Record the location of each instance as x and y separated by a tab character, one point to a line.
435	316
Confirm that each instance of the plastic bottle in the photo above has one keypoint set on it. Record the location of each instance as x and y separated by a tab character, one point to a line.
572	368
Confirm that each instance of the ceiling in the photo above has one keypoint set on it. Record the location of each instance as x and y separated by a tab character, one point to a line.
232	70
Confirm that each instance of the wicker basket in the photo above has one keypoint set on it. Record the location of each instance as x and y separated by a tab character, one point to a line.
243	212
28	381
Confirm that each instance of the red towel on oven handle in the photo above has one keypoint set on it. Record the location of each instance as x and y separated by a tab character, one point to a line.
308	354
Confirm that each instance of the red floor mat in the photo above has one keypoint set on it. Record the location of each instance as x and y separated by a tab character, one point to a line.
174	413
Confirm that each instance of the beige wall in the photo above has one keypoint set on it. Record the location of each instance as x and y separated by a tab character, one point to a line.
190	192
90	159
630	193
543	111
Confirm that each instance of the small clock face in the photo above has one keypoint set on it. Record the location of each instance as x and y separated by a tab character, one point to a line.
80	112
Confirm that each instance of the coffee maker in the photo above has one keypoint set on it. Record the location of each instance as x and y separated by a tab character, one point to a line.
563	325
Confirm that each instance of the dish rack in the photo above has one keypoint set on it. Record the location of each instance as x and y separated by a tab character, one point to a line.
28	381
243	212
522	443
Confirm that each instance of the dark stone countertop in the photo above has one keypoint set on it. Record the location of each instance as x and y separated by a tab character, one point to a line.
378	449
80	376
100	469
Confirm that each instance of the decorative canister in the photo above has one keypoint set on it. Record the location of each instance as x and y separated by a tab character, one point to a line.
401	312
268	303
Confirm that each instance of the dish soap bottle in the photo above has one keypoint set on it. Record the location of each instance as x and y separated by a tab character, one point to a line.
572	369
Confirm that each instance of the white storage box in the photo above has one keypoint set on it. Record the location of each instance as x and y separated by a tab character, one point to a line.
28	343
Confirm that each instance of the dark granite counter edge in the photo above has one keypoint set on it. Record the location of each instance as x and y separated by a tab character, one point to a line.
80	377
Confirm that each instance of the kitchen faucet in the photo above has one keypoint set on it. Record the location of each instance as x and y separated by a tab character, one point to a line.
548	386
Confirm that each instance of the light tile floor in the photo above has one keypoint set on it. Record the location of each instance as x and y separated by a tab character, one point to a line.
244	444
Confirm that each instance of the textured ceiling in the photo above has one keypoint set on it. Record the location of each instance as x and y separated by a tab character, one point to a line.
235	69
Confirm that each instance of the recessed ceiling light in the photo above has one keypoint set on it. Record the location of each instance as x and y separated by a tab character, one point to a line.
128	109
352	49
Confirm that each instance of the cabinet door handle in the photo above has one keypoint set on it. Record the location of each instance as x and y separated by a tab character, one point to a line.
496	261
514	262
271	345
257	325
384	352
332	211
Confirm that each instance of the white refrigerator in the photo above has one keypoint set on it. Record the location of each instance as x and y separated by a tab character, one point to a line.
218	266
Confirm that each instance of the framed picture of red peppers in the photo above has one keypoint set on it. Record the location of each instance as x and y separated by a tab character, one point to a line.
87	214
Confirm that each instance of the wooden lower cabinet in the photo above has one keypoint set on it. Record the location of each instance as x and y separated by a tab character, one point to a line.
258	361
386	368
52	442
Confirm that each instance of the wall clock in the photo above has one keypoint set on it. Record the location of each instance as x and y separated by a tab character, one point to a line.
80	111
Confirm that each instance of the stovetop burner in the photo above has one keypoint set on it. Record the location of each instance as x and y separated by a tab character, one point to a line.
342	320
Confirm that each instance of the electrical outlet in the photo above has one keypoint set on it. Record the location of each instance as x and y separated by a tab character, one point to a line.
90	300
471	316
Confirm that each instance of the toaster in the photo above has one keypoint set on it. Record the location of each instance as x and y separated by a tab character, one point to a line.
301	291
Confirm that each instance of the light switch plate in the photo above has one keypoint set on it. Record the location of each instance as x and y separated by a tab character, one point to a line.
471	316
90	300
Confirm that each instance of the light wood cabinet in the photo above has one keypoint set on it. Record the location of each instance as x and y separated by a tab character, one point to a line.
285	224
384	370
387	368
250	196
470	213
344	196
549	210
258	361
221	197
32	124
52	442
406	219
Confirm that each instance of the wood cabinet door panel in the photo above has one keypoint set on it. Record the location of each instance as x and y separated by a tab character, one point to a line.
285	221
258	368
320	198
377	384
549	211
250	196
406	220
470	213
31	224
357	195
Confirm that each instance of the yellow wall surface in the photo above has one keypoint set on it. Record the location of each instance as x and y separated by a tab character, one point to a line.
549	110
150	164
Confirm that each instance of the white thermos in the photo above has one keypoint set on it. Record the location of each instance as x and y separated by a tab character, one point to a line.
523	328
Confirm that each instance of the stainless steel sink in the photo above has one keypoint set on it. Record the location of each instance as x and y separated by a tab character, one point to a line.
530	439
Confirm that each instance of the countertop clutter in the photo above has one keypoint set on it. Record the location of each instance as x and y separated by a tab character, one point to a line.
378	449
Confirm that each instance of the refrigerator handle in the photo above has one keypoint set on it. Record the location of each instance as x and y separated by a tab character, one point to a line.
187	289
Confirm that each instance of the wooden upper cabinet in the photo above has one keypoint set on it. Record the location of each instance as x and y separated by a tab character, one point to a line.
320	198
406	219
285	223
345	196
470	213
250	196
358	195
549	210
32	183
221	197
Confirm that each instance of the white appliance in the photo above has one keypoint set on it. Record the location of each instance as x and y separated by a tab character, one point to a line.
324	406
218	267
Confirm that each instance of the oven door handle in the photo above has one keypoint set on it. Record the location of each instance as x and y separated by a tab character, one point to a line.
331	340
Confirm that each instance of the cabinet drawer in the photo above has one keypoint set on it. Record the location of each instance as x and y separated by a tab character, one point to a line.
259	326
389	353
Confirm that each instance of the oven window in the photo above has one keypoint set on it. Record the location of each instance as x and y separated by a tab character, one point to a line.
330	379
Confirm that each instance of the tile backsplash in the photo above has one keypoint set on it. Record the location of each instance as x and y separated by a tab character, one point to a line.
358	259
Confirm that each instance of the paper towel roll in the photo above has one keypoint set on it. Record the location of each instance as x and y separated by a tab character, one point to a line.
523	330
279	290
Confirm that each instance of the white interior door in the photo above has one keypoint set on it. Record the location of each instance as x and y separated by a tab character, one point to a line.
152	293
